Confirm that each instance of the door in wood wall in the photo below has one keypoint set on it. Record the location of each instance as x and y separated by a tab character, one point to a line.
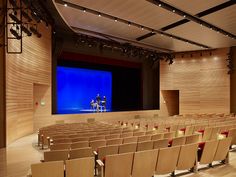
170	101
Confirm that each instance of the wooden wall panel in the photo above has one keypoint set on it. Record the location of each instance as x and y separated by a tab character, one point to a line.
233	82
2	83
22	71
202	80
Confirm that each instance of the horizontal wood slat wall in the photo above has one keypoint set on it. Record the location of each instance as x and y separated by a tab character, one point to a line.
22	71
202	81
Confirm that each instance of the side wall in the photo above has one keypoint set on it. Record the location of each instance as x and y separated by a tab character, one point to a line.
233	83
2	85
202	81
22	71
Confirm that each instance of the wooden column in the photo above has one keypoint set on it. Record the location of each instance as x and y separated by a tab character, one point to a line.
233	82
2	82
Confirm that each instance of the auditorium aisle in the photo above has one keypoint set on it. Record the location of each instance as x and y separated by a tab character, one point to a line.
16	160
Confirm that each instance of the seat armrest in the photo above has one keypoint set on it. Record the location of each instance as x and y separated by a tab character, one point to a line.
95	153
101	164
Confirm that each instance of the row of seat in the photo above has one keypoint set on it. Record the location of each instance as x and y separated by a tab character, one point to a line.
140	164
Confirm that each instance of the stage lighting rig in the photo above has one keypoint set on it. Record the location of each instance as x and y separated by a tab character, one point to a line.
26	31
35	31
26	16
15	34
14	18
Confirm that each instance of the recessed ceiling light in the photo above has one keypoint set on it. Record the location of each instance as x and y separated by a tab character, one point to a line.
115	19
173	10
159	5
184	16
84	10
99	15
65	5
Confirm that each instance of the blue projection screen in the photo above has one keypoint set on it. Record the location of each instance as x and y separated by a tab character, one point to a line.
77	87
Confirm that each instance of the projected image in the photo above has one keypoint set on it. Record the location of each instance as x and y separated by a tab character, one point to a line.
83	90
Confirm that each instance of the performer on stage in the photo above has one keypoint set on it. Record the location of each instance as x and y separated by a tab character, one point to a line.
104	101
98	100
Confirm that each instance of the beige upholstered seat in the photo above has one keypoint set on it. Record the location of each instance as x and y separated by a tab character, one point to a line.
144	138
207	134
62	141
178	141
107	150
48	169
132	139
189	130
208	152
169	135
60	147
80	144
157	136
81	153
192	139
57	155
222	150
145	145
116	141
232	133
187	157
96	144
125	135
79	139
139	133
119	165
113	136
163	143
125	148
167	160
83	167
144	163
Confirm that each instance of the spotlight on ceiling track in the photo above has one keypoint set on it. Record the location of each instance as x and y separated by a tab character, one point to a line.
15	34
26	16
13	3
35	31
35	16
14	18
26	31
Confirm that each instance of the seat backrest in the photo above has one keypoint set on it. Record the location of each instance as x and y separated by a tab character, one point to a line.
232	133
48	169
60	147
189	130
128	134
146	145
178	141
94	138
144	138
81	153
57	155
157	136
62	141
80	144
207	134
208	152
132	139
192	139
167	160
79	139
119	165
107	150
150	132
222	149
113	136
83	167
169	135
214	133
163	143
96	144
125	148
115	141
144	163
139	134
187	156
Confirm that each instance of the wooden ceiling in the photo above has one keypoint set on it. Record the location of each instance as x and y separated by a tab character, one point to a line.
148	14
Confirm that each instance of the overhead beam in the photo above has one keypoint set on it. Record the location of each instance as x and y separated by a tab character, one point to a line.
192	18
108	16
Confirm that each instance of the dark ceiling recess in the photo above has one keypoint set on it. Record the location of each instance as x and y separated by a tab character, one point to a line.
201	14
145	36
